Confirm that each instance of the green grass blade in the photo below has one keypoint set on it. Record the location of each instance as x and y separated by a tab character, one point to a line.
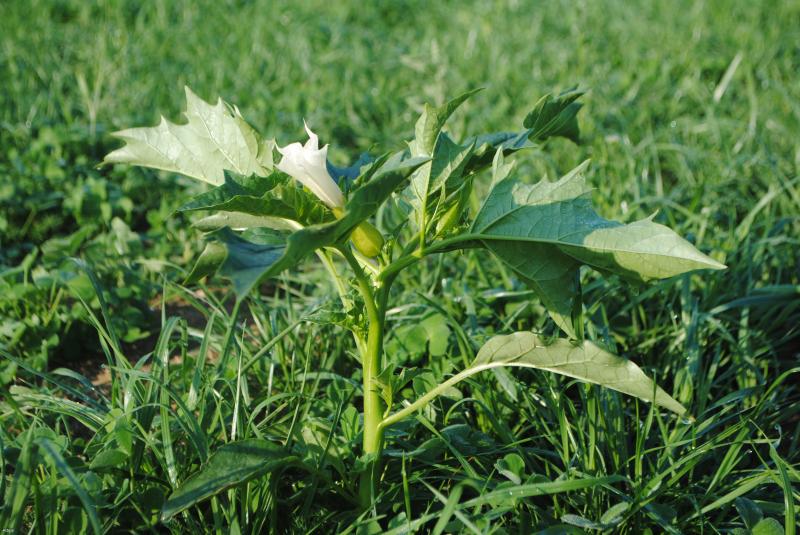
790	522
21	486
541	489
66	471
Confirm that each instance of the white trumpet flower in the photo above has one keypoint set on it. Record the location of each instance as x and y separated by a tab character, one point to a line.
308	165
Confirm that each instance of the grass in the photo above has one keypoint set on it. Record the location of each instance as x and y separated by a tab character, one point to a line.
692	112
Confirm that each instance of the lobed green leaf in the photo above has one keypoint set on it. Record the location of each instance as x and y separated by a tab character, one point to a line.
276	196
214	139
545	231
555	116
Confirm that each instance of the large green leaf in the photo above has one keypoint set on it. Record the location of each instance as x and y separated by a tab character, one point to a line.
241	261
242	220
559	214
233	464
234	186
276	196
553	275
245	263
586	362
214	139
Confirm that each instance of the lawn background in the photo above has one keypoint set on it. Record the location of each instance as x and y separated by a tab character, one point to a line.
693	111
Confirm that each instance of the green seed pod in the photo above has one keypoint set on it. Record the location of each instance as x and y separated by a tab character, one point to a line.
366	238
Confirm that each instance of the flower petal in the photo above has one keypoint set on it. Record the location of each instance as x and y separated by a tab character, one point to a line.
308	165
313	140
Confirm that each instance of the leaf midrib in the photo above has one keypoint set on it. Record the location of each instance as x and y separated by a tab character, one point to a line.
488	237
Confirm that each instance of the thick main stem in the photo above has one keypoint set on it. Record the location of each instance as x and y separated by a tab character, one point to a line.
370	365
373	409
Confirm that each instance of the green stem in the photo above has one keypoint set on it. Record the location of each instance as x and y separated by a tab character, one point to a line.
327	261
437	247
420	403
370	363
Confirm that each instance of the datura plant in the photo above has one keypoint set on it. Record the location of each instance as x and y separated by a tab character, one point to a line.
265	217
